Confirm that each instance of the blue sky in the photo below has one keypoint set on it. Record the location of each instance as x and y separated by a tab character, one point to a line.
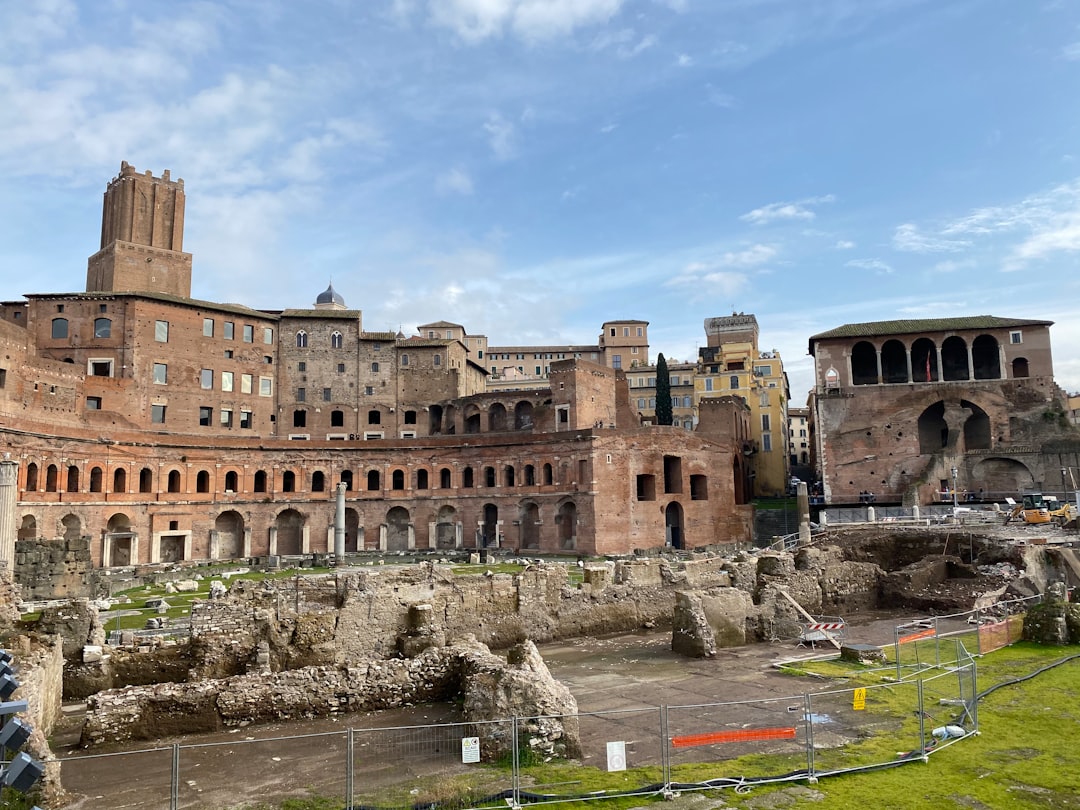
531	168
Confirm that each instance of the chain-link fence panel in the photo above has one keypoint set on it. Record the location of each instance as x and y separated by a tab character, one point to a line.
611	753
949	706
768	737
851	729
453	764
104	781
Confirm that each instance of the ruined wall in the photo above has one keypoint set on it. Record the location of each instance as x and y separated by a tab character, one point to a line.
55	569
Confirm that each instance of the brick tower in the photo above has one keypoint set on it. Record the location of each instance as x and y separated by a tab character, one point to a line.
142	237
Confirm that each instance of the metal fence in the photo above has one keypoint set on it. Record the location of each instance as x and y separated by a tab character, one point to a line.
654	751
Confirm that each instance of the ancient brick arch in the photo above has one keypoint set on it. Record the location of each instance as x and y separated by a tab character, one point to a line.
397	529
566	520
290	528
229	533
528	525
446	527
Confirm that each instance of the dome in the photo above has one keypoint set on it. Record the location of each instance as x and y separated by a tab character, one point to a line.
330	298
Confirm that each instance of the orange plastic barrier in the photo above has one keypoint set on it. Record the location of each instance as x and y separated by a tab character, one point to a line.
748	735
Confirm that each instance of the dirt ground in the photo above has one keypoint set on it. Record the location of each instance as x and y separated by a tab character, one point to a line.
612	677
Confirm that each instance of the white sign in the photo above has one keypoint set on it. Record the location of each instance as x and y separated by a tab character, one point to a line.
616	756
470	749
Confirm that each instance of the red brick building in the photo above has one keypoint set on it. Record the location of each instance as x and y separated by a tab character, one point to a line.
167	428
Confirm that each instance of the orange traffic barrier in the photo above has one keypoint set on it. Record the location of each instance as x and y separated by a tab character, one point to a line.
747	735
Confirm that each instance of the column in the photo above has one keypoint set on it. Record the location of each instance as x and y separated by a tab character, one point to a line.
9	488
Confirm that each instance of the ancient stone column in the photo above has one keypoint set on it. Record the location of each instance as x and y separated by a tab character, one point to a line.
803	500
9	488
339	523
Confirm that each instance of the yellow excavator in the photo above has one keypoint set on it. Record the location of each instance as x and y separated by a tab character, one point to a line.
1034	507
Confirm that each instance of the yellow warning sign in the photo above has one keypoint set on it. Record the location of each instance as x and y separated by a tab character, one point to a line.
858	700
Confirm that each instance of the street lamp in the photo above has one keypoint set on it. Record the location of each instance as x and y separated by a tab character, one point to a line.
954	487
1064	491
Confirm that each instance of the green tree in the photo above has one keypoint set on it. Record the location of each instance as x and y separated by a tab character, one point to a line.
663	392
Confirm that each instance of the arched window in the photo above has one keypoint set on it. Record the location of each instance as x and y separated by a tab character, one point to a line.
102	328
301	339
530	475
467	478
59	328
404	359
864	364
336	340
318	481
733	382
174	481
508	475
436	360
421	479
260	480
398	480
346	479
202	481
373	480
231	481
31	477
489	476
50	478
288	481
374	367
547	475
73	479
444	478
119	480
146	480
95	479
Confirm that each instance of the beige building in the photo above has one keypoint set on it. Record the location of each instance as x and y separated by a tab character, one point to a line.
733	364
642	380
621	345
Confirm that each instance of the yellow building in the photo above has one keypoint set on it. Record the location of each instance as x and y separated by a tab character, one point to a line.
732	364
642	381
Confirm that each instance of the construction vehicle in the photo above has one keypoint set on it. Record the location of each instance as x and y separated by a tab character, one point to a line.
1060	512
1032	509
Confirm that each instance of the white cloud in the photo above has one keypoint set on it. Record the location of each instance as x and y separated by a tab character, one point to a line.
706	280
799	210
951	266
909	239
625	42
1071	52
454	181
684	60
845	244
531	20
751	257
877	265
501	136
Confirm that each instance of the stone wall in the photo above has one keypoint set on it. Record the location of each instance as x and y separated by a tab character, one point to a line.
55	569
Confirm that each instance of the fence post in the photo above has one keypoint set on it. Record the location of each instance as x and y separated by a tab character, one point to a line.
174	781
922	723
350	753
515	764
896	647
808	719
665	749
937	646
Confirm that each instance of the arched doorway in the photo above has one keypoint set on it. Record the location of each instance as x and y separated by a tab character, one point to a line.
567	522
397	529
446	527
489	529
120	541
523	416
528	525
72	527
497	417
28	528
353	540
673	525
290	532
229	533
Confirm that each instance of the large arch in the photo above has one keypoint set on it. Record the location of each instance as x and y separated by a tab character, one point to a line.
894	362
924	361
72	527
472	419
229	531
523	416
933	429
435	420
864	370
497	417
290	532
986	358
353	540
954	359
397	529
996	474
978	432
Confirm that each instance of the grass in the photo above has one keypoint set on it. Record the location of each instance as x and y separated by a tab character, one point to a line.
1024	757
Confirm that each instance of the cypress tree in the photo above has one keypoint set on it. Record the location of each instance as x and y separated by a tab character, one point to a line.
663	392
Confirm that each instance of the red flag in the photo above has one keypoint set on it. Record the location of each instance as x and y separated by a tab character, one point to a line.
928	366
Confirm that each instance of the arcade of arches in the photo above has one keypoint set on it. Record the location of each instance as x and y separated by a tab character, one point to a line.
955	360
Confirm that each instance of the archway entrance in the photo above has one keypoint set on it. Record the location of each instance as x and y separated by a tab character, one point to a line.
489	530
529	528
567	520
397	529
353	541
121	543
229	533
290	532
446	528
673	526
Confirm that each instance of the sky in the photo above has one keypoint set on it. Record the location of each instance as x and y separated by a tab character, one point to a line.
532	168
